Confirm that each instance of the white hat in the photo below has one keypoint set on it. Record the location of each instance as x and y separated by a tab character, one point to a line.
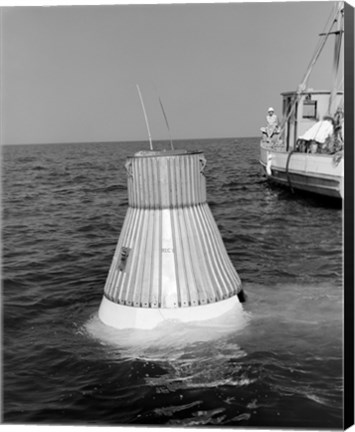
270	109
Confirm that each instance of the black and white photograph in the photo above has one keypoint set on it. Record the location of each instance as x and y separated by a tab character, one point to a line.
177	214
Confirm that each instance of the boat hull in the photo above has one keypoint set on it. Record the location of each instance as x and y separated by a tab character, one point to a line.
321	174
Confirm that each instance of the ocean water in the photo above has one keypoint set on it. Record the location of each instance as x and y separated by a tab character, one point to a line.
277	365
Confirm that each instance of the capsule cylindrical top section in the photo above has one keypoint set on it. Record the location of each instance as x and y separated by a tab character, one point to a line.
166	179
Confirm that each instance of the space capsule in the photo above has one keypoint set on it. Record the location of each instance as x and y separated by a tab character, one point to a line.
170	262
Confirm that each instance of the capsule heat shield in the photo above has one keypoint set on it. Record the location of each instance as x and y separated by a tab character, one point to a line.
170	253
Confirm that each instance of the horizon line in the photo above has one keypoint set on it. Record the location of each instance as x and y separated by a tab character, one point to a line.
128	141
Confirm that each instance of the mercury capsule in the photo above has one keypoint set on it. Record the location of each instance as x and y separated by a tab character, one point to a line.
170	262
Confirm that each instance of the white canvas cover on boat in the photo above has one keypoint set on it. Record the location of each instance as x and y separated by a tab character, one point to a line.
319	131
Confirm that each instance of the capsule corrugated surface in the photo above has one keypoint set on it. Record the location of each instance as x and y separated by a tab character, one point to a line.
169	179
170	253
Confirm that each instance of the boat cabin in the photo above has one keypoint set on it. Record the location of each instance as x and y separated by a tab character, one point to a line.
311	107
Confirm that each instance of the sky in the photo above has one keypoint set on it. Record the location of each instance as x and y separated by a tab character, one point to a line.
69	73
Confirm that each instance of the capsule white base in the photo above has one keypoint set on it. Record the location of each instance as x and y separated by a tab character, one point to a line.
125	317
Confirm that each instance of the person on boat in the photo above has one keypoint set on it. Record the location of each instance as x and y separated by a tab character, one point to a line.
271	118
339	121
338	129
272	124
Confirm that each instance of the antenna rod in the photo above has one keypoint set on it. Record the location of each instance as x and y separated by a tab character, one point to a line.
145	117
167	124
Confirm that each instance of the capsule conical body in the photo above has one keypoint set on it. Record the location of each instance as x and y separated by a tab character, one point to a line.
170	257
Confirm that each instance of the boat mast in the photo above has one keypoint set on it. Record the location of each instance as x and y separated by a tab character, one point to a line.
337	50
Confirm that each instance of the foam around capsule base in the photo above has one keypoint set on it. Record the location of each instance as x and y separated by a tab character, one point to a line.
125	317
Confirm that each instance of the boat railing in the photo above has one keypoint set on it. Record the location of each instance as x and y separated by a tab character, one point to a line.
277	145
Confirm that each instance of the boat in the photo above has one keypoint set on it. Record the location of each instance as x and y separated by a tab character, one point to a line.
305	151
